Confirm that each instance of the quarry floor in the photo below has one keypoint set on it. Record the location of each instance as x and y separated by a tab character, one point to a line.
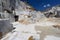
43	30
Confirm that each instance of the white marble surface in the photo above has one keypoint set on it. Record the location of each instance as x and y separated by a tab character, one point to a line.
23	32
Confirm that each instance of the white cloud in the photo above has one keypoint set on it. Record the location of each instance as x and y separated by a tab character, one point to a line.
48	5
44	6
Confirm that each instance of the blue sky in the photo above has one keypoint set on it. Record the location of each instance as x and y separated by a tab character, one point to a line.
42	4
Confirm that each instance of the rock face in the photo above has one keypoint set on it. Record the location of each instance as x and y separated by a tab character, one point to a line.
5	26
7	5
0	6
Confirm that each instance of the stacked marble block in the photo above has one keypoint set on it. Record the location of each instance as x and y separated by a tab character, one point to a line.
5	27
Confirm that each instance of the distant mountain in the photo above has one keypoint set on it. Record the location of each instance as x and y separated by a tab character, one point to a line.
53	12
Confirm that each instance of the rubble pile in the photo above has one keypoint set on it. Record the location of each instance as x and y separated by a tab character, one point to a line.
28	15
33	17
24	21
